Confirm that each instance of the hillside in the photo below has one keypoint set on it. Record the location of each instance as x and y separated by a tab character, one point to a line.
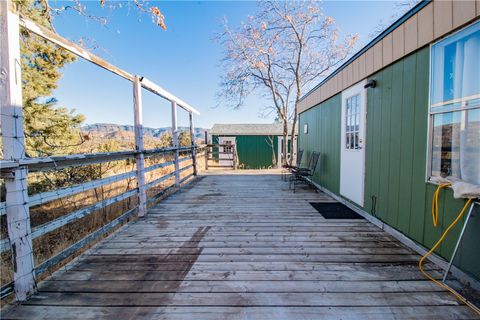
111	130
115	137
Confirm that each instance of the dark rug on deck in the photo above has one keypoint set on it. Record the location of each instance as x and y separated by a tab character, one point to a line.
335	210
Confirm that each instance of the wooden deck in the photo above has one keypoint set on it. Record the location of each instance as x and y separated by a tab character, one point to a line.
240	245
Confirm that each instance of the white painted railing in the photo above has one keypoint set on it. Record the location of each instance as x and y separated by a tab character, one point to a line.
15	166
48	196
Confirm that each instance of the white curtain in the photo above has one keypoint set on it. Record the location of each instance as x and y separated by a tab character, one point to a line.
438	68
467	83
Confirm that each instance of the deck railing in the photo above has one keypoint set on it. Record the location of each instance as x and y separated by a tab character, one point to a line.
16	166
169	180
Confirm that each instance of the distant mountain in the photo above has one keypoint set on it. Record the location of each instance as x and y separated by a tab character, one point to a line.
111	129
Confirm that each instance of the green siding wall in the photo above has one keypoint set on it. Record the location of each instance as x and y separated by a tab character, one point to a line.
323	136
255	152
396	151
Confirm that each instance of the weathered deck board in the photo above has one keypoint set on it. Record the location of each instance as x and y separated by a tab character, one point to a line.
194	275
224	299
239	286
242	246
233	312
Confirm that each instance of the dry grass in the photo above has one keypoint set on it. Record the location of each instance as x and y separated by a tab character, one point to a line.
52	243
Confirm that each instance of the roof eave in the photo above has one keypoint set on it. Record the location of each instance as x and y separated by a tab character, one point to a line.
377	39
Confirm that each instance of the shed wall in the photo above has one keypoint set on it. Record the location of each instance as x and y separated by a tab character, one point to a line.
254	152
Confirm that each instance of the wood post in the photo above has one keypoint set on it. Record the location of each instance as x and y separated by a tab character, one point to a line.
175	142
18	215
207	148
234	150
192	139
139	148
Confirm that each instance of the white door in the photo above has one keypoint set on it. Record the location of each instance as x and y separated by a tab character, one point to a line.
226	152
352	162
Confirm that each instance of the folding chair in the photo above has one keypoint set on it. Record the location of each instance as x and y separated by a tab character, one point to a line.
304	174
288	168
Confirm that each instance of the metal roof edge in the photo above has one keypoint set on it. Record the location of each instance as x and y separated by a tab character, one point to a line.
225	129
422	4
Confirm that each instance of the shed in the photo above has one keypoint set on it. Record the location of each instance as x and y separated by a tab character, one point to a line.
257	145
399	114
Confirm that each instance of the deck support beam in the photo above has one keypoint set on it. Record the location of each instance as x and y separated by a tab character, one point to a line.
139	147
192	140
175	142
18	215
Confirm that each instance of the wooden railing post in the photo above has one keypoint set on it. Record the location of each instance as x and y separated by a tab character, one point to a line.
234	150
175	142
192	139
139	148
18	215
207	148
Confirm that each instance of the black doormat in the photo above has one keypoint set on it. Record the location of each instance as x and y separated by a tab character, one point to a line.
335	210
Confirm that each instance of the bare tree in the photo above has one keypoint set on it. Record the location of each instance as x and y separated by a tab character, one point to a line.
400	7
270	142
279	52
79	6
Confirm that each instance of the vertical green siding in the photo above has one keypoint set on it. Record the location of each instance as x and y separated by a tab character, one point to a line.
255	152
396	150
395	158
323	136
419	198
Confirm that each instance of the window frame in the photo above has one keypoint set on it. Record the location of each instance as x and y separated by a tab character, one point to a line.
431	115
356	115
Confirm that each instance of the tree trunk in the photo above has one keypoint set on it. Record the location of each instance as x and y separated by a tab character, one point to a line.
292	136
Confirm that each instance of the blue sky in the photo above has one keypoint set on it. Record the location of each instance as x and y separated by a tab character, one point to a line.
184	59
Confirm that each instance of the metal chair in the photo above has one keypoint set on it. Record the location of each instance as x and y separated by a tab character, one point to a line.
305	174
288	168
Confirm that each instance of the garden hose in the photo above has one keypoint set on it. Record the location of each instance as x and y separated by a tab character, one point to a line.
444	234
435	202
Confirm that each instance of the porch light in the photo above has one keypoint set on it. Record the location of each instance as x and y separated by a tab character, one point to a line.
370	84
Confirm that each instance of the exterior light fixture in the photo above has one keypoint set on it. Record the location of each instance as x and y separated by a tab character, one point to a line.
370	84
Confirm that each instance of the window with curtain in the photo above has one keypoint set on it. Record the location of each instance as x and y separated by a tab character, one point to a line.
455	106
352	123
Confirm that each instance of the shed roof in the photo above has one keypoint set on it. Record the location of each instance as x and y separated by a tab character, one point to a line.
249	129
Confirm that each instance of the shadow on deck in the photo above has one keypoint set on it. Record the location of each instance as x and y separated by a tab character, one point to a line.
240	245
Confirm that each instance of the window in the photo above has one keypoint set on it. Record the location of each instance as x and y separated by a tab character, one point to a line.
352	123
228	147
455	106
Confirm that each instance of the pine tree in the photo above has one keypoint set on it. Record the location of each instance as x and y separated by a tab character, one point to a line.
49	129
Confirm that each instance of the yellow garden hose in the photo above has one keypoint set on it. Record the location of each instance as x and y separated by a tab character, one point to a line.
444	234
435	202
